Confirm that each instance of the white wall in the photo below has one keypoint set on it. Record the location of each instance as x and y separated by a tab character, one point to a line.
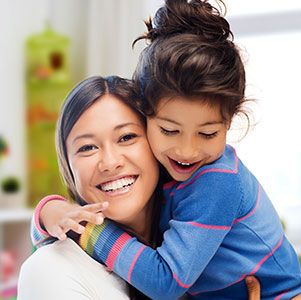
17	21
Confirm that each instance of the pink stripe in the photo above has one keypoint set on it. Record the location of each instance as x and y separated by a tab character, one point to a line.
118	245
39	207
279	296
180	283
251	273
194	293
215	227
211	171
134	262
253	210
169	184
266	257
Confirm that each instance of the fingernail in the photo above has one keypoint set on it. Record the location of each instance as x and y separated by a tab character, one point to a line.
62	237
105	204
99	220
81	229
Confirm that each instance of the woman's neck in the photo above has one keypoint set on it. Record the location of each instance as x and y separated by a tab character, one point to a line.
141	225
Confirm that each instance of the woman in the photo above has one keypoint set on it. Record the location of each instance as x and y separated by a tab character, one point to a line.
102	156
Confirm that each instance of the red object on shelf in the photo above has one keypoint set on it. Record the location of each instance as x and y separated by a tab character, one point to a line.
8	265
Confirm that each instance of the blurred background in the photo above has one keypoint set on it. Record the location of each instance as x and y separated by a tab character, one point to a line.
49	45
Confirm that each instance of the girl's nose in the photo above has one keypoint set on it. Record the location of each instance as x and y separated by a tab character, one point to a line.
187	150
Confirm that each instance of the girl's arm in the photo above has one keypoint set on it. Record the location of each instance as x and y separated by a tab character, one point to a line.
195	233
54	216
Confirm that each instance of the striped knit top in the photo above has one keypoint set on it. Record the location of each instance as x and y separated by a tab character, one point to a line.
219	226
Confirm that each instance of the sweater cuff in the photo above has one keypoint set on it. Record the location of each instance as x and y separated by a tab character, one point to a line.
38	209
104	242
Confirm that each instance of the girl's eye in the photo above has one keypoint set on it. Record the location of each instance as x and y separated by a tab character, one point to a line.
87	148
168	132
127	137
208	135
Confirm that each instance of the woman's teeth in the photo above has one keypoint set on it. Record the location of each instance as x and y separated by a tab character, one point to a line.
117	184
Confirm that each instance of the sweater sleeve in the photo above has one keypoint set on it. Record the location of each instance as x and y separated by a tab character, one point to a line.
201	219
37	233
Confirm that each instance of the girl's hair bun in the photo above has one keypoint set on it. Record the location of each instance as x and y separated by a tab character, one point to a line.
197	17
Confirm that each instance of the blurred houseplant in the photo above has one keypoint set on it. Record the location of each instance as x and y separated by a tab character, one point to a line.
48	80
10	185
10	192
3	148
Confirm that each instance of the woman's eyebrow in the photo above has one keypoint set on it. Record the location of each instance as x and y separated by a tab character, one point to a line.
83	136
120	126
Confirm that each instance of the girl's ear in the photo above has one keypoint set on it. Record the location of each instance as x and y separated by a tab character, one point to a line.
228	124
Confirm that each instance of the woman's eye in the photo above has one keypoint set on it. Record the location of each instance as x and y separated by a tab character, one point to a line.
208	135
127	137
168	132
87	148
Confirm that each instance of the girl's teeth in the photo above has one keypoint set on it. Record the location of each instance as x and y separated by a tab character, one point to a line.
117	184
183	164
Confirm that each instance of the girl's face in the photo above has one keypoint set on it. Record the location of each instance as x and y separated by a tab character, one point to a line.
185	135
111	160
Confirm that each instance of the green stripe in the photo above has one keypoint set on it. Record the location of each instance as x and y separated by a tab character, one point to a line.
94	235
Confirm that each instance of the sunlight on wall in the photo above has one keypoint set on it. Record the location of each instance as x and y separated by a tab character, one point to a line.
273	149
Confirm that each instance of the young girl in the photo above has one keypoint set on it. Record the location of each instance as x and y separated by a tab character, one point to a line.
219	225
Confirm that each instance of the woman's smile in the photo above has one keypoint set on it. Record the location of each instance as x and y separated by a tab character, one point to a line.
118	186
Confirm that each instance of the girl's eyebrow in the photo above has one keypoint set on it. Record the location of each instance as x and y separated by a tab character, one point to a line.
168	120
199	125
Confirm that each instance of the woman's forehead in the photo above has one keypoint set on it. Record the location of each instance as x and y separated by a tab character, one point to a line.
107	113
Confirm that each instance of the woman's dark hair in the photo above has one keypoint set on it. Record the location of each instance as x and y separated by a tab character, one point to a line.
191	54
85	94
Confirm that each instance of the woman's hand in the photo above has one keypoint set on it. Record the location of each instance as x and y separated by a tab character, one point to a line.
58	217
253	287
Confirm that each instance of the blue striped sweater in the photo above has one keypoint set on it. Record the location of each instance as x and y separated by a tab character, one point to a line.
219	226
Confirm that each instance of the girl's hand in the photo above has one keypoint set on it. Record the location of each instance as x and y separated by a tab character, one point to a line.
59	217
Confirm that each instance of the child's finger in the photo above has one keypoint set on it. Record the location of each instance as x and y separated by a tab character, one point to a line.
59	233
70	224
91	217
96	207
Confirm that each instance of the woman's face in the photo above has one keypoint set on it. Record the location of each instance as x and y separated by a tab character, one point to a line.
111	160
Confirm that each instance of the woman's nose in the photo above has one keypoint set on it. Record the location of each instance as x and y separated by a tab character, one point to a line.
110	160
